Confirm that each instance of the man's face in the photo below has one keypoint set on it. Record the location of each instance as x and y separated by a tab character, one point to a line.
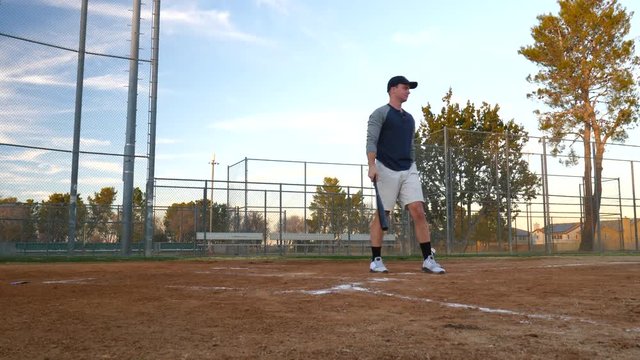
400	92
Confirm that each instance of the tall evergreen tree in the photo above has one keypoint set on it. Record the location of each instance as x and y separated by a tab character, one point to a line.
586	82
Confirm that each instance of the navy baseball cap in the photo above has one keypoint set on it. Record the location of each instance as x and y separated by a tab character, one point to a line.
397	80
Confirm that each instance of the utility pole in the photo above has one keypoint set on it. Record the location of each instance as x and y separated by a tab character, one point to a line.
213	168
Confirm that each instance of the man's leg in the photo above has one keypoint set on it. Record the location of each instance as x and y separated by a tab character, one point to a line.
421	226
376	234
423	235
375	231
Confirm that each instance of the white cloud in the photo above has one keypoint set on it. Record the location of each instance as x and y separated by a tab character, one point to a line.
36	62
10	178
213	23
4	138
108	82
98	8
36	195
102	166
25	155
42	80
94	142
67	142
49	169
100	181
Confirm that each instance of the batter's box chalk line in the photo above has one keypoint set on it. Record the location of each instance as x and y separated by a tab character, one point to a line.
202	288
358	287
69	281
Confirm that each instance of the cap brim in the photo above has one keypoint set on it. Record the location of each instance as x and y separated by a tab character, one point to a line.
413	84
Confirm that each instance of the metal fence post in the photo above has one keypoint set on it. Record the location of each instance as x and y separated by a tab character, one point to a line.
448	191
545	200
204	212
508	197
635	218
280	241
130	138
621	220
73	198
149	210
266	229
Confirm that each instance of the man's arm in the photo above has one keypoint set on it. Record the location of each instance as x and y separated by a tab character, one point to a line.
374	126
371	160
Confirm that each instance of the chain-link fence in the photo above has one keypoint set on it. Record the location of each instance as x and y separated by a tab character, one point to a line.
512	199
64	91
509	193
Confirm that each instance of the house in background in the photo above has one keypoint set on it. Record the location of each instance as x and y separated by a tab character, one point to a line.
563	237
522	238
617	234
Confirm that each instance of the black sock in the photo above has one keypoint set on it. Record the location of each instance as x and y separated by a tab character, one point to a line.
426	250
376	251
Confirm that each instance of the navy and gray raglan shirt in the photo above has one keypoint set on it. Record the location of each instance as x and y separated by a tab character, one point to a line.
390	135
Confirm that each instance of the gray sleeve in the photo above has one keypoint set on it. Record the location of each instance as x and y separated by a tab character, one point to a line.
376	119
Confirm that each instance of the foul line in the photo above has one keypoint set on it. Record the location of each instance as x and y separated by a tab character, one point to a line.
357	287
69	281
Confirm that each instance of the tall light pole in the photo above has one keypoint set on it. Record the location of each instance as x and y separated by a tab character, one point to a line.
213	168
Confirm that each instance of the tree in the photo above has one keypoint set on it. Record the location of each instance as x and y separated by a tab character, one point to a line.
179	221
53	217
219	216
292	224
139	204
182	220
102	219
333	210
16	220
586	80
486	168
255	222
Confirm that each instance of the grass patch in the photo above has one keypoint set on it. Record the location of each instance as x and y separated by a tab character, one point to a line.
82	258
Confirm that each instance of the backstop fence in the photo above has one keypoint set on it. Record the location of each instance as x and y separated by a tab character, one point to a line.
70	74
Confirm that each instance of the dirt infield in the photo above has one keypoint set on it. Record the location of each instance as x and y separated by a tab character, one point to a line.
484	308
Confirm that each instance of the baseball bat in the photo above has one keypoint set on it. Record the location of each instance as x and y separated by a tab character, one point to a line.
382	216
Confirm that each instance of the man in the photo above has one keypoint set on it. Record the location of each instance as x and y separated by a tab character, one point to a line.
391	158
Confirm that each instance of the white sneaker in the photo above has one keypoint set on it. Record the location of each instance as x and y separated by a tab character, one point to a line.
377	266
429	265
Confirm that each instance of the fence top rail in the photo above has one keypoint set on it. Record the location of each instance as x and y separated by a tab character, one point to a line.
305	162
242	182
70	151
229	236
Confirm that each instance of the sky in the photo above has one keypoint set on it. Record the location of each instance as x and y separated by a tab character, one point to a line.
267	79
285	79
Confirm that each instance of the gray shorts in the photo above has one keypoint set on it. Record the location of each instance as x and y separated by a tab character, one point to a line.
403	186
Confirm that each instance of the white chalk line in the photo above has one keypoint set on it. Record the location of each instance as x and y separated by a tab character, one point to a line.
202	288
358	287
69	281
594	264
551	266
281	274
